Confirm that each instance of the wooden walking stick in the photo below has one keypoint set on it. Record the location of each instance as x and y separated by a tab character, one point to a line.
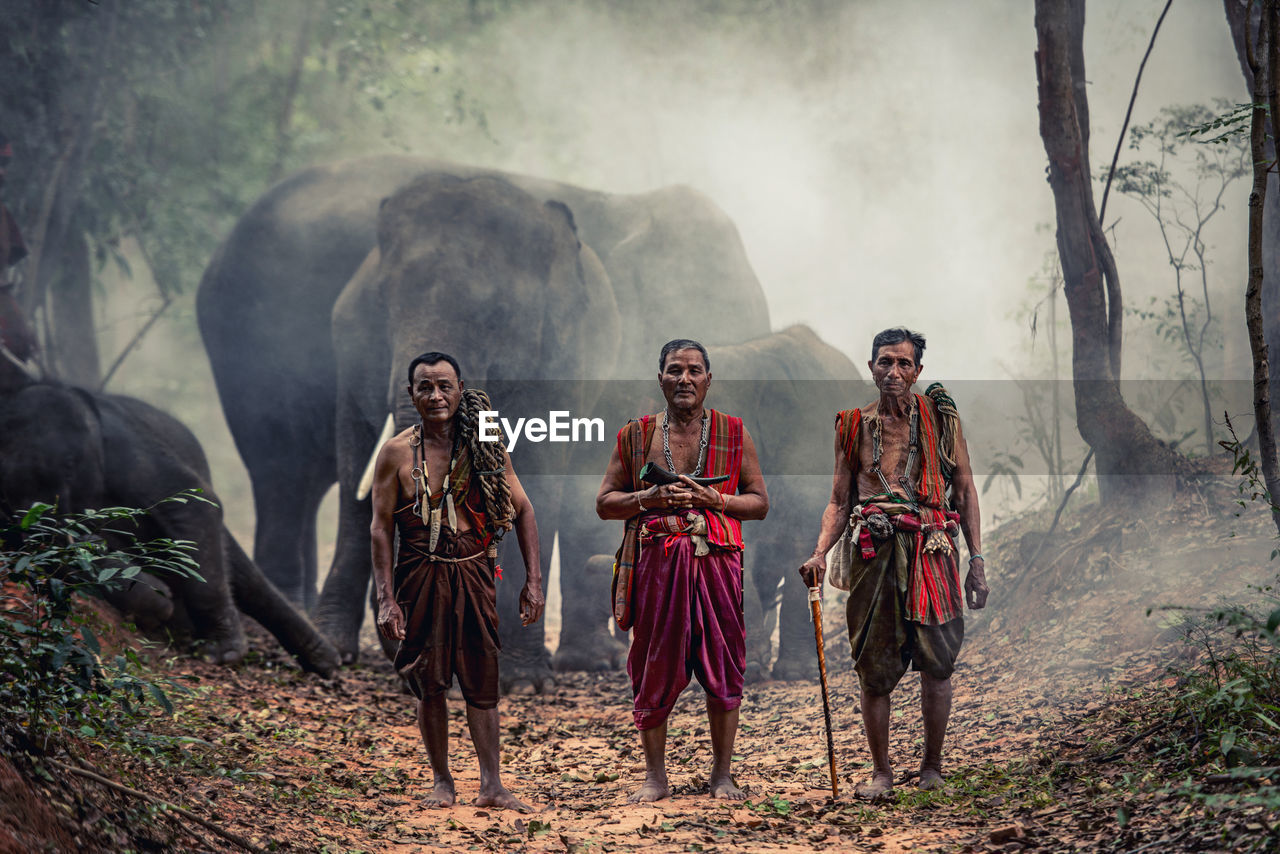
815	604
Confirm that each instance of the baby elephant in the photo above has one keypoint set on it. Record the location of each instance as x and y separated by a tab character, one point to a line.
76	449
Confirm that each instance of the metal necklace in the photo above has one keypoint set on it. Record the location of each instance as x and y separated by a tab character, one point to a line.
913	447
702	444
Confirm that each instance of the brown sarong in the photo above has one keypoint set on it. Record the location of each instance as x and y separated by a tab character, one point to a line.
884	641
451	616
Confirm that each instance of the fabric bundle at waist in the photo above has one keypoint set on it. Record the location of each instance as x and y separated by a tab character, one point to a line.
932	585
671	526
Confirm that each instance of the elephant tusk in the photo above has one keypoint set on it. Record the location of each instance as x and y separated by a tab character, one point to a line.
366	479
31	368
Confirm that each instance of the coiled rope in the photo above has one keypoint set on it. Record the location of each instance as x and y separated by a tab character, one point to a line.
948	426
488	463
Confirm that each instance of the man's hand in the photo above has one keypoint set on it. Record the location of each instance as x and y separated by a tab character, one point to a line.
701	496
975	585
814	570
531	604
671	496
390	620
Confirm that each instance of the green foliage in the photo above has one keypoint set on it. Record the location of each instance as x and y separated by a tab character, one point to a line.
1227	127
1231	691
1006	464
772	805
54	679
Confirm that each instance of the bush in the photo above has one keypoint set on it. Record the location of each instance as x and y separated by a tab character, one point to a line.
54	680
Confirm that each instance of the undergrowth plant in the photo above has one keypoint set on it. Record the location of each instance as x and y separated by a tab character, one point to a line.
55	681
1230	693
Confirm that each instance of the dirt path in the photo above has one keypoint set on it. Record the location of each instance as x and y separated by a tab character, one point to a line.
339	766
1049	747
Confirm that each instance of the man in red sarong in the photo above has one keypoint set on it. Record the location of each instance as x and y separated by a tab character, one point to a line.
679	571
440	602
906	459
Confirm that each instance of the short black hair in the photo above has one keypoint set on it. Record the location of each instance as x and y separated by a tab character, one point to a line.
433	358
682	344
896	335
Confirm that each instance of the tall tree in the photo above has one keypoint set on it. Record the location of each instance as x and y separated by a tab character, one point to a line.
1261	35
1244	19
1132	464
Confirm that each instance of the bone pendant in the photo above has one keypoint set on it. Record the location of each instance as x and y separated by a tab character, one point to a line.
435	529
453	514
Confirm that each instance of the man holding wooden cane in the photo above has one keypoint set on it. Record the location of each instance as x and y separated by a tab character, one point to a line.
906	458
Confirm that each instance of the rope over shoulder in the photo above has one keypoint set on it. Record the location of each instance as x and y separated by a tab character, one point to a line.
488	463
948	426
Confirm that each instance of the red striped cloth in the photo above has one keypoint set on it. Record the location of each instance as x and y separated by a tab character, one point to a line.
724	456
934	593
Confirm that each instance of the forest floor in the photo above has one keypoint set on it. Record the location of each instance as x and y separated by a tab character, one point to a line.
1063	737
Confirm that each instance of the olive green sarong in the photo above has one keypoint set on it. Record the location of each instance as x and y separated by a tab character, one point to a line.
884	641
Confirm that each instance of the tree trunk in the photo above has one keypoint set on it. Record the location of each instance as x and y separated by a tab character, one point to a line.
1262	54
70	305
1270	305
1132	463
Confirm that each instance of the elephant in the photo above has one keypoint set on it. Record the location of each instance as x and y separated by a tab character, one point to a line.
477	268
787	387
79	450
674	262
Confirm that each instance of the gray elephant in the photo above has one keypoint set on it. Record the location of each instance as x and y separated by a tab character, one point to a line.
787	387
481	270
80	450
264	310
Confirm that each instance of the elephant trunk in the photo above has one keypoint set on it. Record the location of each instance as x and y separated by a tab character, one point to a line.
259	598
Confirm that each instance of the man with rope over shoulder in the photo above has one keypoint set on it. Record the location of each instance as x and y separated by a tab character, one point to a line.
451	497
901	464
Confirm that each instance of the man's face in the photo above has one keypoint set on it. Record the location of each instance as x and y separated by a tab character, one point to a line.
436	392
894	368
684	380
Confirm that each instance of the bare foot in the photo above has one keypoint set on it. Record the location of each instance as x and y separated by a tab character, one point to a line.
652	790
879	786
930	780
502	799
442	795
722	787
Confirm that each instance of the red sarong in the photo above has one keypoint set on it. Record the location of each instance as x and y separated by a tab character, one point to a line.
688	622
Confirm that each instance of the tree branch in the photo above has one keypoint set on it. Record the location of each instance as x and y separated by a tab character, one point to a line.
233	838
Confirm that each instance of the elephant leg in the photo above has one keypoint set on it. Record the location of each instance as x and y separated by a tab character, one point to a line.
146	600
797	654
526	661
586	643
758	646
340	611
258	598
208	603
284	539
586	576
310	587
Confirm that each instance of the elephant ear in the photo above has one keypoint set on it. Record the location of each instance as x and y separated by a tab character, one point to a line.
563	210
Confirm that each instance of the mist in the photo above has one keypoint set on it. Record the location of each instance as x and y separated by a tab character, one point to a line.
882	164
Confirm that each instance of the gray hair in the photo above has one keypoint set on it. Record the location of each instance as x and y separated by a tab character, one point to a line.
896	335
682	344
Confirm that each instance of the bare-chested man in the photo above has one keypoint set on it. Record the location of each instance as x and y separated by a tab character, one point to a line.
905	457
440	603
684	541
